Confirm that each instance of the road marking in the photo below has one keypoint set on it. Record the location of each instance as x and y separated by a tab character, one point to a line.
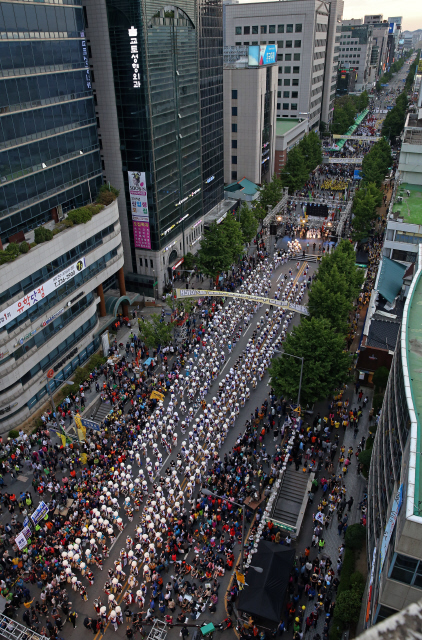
116	539
227	362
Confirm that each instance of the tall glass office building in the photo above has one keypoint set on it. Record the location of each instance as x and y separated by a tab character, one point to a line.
49	152
158	73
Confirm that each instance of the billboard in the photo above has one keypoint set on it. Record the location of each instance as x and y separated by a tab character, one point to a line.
139	209
33	297
262	55
391	27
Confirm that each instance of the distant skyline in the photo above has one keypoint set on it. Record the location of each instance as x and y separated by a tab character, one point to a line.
359	8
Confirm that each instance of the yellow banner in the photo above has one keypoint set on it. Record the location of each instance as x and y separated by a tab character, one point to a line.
82	434
78	421
84	458
204	293
62	438
240	577
155	395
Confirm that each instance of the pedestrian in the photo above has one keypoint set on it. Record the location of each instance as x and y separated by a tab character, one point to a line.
72	618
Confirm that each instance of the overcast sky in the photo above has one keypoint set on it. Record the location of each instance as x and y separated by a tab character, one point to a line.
412	16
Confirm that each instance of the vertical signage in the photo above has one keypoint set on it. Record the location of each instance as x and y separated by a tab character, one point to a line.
86	61
139	209
134	55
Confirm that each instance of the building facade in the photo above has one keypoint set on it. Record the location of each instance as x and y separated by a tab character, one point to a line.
55	302
356	51
379	42
49	151
288	134
249	118
304	34
394	521
158	85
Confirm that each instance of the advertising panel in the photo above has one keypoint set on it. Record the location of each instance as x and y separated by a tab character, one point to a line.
139	208
262	55
204	293
33	297
391	27
395	510
420	66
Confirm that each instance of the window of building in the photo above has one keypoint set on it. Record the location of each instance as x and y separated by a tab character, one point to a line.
293	106
294	94
280	82
295	82
287	69
246	43
238	31
246	31
263	28
287	82
234	94
285	106
278	94
271	41
238	44
234	111
278	106
298	44
234	175
234	144
140	262
254	42
288	57
296	57
286	94
280	44
280	69
298	28
289	28
280	28
296	69
263	42
407	570
271	28
255	29
234	159
234	128
289	44
279	57
151	263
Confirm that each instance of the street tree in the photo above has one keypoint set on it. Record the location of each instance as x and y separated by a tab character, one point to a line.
248	222
294	173
155	332
326	364
270	194
343	260
233	237
365	203
328	299
215	255
310	148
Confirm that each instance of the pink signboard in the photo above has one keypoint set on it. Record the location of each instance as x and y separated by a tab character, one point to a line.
141	233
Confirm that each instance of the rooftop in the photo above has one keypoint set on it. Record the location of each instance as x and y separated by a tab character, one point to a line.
284	125
246	186
410	208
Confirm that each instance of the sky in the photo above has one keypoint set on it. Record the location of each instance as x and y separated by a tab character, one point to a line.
412	17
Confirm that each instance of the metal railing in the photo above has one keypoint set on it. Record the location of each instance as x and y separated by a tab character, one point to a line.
13	630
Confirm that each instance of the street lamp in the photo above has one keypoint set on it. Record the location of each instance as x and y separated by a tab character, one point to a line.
301	370
207	492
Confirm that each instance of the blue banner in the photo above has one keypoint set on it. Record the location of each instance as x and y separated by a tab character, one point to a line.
90	424
262	55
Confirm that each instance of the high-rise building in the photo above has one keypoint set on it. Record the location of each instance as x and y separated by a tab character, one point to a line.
394	515
379	42
304	32
356	51
158	85
56	299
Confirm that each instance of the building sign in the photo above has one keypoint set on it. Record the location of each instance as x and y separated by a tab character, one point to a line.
33	297
86	62
139	208
190	195
51	318
203	293
208	180
262	55
178	263
134	55
25	338
395	510
391	27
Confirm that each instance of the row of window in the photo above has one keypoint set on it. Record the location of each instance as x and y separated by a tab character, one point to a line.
350	49
286	82
55	326
20	55
38	277
350	55
288	69
31	18
286	94
54	355
76	362
288	57
407	570
286	106
280	43
271	29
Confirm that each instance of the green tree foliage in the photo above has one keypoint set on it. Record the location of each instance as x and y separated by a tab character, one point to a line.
295	172
310	148
42	235
328	299
355	536
376	163
248	222
270	194
221	246
394	121
325	367
365	203
343	259
380	377
153	332
348	605
346	109
189	261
